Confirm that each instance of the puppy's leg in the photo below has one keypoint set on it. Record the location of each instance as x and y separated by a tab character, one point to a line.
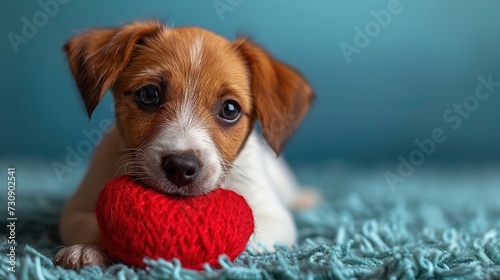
273	221
78	226
273	224
268	187
80	231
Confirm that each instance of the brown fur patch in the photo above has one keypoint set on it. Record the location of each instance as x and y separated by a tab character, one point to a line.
220	75
282	95
148	53
97	57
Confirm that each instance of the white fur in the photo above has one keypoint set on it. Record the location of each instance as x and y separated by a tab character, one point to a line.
265	183
196	53
186	133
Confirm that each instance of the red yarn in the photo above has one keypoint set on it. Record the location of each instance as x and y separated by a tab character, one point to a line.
137	222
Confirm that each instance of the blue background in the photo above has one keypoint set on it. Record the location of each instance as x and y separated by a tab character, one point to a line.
372	109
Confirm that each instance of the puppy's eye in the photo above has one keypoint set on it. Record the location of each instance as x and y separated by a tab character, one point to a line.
230	111
147	96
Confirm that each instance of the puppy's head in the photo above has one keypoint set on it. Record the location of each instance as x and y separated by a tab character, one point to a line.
186	99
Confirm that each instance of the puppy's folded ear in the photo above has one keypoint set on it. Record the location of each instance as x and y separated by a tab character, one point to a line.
97	57
281	95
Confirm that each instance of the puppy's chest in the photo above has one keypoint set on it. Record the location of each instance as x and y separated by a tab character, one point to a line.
249	177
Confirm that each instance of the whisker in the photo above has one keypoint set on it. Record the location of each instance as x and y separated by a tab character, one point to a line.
237	173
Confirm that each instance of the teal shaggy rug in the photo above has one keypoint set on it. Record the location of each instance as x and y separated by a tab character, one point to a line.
437	224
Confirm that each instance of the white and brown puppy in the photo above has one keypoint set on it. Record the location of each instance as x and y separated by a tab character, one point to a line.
186	101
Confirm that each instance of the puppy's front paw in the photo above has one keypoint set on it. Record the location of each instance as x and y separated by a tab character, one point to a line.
80	255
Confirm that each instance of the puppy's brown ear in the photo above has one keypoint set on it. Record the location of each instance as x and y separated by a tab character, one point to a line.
281	95
97	57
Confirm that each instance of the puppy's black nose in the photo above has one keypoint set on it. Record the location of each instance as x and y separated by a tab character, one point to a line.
181	169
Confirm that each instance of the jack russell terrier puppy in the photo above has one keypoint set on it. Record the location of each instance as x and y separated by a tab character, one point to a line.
186	101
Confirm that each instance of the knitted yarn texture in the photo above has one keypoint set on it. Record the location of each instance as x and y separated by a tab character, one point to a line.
137	222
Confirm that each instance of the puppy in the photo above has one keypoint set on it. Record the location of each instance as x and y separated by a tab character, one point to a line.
186	101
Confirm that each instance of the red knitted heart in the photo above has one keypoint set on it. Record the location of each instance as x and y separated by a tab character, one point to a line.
137	222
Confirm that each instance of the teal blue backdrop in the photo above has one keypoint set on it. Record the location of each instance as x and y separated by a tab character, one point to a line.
386	73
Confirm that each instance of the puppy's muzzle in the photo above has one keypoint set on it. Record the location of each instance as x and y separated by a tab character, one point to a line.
181	169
